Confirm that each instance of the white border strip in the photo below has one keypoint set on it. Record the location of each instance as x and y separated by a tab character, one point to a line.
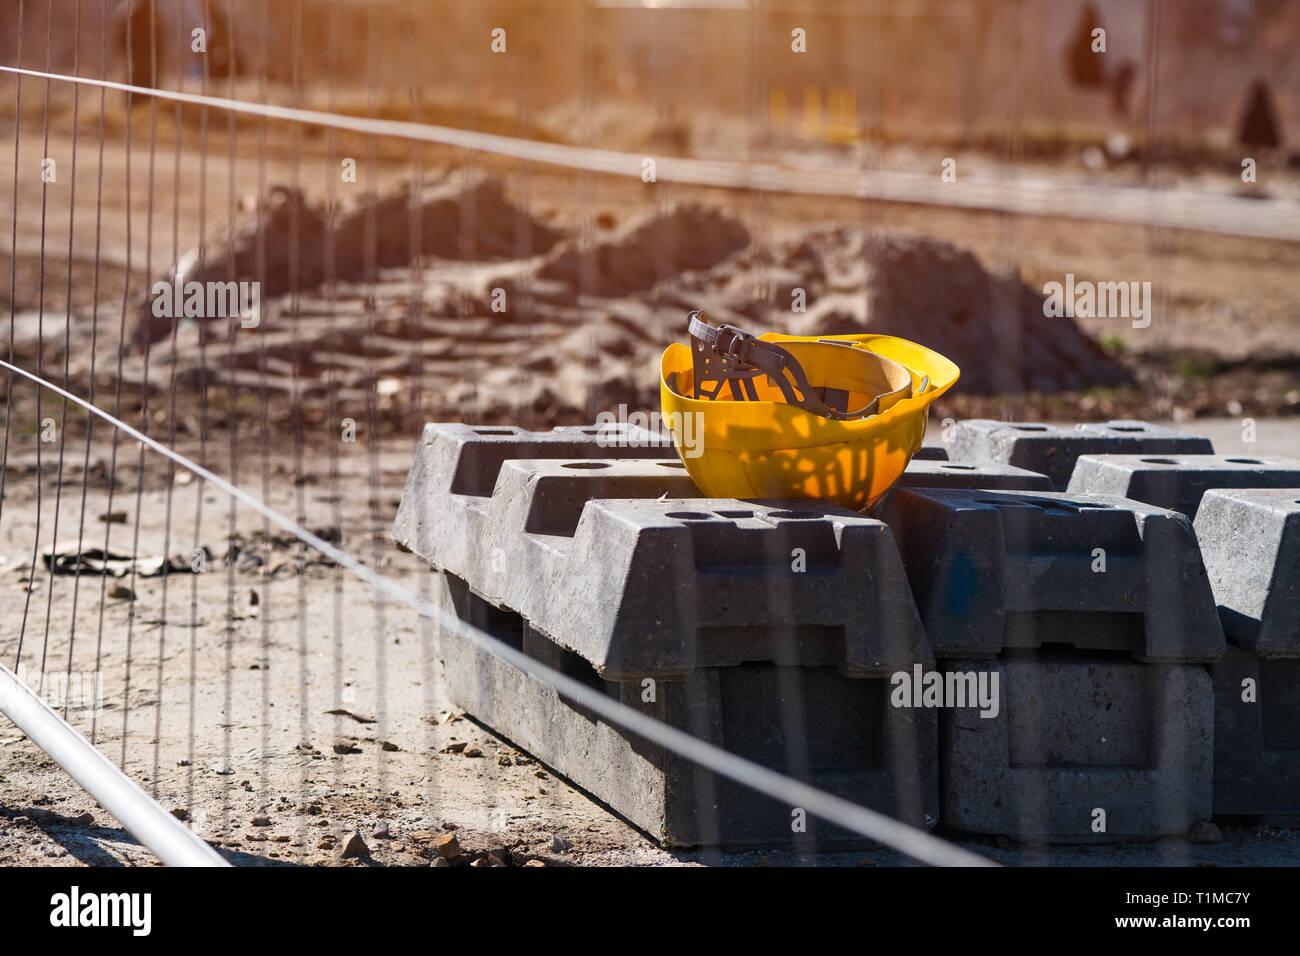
175	844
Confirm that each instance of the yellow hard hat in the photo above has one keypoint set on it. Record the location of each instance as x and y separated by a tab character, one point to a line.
834	417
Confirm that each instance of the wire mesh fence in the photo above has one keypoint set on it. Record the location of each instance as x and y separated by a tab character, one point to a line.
255	247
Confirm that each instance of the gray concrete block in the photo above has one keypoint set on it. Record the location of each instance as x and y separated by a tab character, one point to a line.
931	453
1077	734
992	570
622	563
465	459
1177	482
1256	736
836	733
965	474
1250	541
1053	449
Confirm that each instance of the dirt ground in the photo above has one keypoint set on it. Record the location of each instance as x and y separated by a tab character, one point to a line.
279	709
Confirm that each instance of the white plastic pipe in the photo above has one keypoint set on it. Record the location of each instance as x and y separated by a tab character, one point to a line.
175	844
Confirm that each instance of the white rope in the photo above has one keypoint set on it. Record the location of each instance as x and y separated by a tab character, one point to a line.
910	841
1205	212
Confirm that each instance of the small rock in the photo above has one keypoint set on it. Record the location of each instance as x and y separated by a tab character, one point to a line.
85	819
455	748
260	821
255	837
346	747
389	745
473	752
1203	831
481	861
381	830
326	843
534	863
113	517
355	846
446	846
121	591
180	813
281	838
560	845
439	861
182	763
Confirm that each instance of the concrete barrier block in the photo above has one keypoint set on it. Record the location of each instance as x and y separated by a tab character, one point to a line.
812	723
931	453
465	459
991	570
965	474
1177	482
1053	449
1256	736
1080	743
622	563
1250	540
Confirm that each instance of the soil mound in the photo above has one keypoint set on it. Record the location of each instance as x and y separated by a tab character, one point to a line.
937	294
648	250
291	243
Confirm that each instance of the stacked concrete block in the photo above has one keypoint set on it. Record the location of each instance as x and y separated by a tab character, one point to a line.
962	474
1082	749
1251	543
471	456
931	453
622	563
1095	612
788	632
1257	737
1053	449
768	628
991	570
1177	482
836	733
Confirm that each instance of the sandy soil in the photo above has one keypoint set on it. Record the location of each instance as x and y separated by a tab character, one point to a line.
233	676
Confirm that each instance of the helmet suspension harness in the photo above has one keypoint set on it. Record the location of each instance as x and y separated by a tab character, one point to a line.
730	356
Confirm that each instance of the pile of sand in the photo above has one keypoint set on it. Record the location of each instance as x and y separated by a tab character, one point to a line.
939	295
291	243
588	316
646	251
